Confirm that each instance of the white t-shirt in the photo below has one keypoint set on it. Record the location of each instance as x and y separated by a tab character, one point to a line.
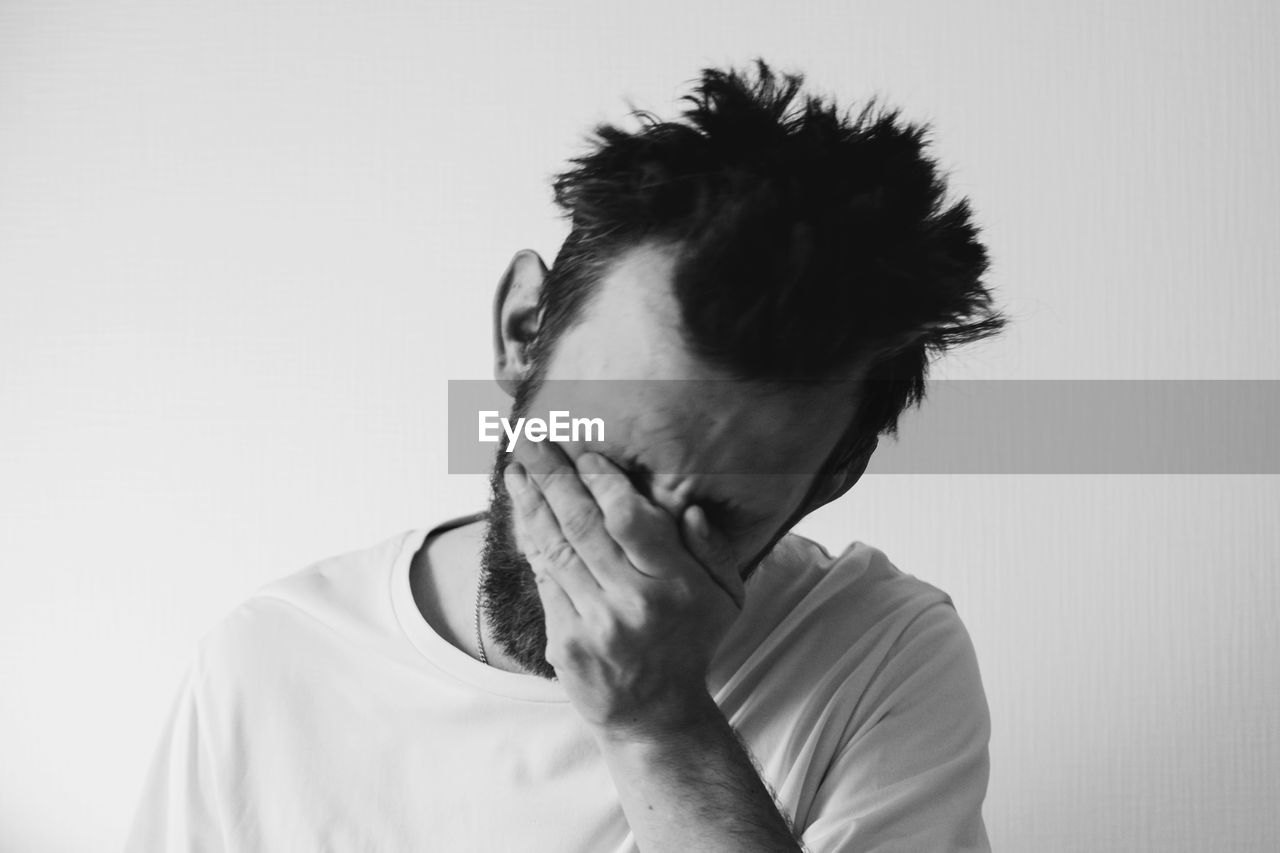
325	714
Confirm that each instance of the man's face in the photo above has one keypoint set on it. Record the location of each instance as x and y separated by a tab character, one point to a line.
686	434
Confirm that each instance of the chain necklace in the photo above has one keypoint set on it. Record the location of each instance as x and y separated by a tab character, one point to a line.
484	659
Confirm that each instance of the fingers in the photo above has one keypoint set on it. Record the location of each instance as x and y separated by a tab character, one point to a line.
594	532
580	519
550	552
558	608
642	530
712	550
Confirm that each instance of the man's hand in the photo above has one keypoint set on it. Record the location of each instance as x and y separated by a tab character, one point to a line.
636	601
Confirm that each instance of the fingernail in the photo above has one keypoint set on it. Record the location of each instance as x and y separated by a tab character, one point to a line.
589	463
698	521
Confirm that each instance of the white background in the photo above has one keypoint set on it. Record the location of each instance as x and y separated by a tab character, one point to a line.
244	245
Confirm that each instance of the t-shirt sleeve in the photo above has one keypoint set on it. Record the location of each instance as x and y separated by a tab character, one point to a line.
913	776
178	811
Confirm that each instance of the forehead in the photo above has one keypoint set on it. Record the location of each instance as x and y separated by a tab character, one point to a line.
665	408
629	327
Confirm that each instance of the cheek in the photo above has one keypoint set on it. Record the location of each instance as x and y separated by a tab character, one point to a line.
750	543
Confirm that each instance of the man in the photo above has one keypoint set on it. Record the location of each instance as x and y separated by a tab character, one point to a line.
629	650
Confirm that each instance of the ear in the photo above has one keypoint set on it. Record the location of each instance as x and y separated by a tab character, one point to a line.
515	317
832	486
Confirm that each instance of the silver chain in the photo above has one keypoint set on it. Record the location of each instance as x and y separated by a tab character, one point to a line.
484	659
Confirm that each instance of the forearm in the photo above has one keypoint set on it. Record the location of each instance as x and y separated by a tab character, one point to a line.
695	789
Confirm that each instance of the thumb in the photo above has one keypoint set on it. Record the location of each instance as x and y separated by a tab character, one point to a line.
711	549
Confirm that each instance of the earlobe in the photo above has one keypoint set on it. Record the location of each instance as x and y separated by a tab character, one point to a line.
515	317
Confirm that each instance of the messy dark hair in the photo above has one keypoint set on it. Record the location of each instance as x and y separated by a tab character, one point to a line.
808	240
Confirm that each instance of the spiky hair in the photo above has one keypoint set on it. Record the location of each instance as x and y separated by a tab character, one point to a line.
808	238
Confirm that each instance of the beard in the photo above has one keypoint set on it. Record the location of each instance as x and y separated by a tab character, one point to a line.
509	593
509	590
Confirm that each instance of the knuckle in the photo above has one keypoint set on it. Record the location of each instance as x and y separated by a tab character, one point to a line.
559	555
564	652
581	523
667	597
624	519
602	625
686	593
638	605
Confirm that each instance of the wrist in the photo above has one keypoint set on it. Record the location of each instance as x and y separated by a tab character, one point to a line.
676	717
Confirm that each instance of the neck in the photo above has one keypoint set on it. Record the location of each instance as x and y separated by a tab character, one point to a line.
445	577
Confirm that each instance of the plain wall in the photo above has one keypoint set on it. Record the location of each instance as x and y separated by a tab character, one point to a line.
243	247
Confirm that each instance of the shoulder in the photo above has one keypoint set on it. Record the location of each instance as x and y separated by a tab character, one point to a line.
342	599
849	628
850	593
346	577
906	754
